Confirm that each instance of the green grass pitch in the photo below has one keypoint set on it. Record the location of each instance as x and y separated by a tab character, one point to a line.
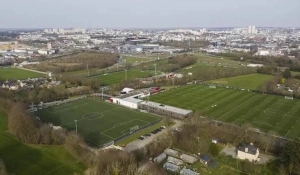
117	77
17	74
266	112
97	121
23	159
251	81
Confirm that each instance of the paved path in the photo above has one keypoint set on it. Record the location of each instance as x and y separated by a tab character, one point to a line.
137	144
33	70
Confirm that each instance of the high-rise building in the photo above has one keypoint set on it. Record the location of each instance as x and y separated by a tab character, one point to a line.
49	46
252	30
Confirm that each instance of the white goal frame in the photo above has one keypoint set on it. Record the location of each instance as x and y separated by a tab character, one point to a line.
289	98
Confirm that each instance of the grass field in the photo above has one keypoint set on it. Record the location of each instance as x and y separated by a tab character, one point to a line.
117	77
266	112
251	81
17	74
98	122
22	159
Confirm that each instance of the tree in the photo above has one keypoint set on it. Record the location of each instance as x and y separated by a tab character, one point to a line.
291	156
214	150
287	74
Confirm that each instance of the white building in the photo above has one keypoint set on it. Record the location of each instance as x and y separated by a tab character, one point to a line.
252	30
249	152
130	101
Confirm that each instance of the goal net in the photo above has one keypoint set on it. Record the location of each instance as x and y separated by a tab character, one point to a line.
289	98
212	86
133	129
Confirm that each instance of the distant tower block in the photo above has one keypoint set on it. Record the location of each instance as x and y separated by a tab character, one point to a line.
49	46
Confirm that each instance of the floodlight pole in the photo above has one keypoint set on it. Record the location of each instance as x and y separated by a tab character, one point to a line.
102	93
155	69
76	125
87	67
126	74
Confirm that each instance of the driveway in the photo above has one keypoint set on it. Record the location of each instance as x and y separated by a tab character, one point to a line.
137	144
229	151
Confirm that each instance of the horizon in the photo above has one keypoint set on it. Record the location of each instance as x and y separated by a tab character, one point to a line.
147	14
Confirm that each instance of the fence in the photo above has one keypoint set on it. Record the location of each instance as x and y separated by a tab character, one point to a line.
128	134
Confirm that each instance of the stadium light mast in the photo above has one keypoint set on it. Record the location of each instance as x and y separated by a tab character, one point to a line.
126	74
155	69
87	67
76	125
102	93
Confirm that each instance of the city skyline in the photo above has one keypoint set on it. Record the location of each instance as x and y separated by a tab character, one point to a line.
149	14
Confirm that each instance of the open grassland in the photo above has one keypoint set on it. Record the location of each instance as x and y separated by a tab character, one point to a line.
266	112
137	59
17	74
251	81
117	77
22	159
97	121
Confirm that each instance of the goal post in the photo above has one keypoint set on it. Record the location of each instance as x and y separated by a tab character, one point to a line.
288	97
133	129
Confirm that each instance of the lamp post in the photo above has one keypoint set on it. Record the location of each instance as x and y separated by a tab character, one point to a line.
76	125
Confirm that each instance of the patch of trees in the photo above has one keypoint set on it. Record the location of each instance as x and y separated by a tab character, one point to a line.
78	62
291	157
281	61
179	61
268	70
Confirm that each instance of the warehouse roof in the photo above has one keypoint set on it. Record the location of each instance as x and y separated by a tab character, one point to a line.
167	108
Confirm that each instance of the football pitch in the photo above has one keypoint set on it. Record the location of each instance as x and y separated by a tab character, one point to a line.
265	112
97	121
17	74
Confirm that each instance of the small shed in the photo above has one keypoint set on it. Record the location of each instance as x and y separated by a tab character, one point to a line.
185	171
171	167
160	158
175	161
205	159
171	152
187	158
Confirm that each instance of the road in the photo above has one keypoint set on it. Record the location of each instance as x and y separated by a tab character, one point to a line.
137	144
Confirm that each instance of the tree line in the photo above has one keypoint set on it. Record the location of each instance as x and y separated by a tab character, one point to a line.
78	61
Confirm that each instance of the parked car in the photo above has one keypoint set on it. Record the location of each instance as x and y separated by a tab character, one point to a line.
148	135
141	138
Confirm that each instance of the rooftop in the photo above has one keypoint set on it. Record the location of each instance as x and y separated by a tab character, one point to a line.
248	148
167	108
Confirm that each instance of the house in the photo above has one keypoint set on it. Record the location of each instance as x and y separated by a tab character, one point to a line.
248	151
205	159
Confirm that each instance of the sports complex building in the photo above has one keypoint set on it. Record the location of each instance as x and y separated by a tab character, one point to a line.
165	110
135	101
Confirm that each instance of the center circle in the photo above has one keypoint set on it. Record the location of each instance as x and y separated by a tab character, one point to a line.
92	115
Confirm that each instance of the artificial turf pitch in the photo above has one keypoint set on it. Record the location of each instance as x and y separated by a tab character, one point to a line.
97	121
265	112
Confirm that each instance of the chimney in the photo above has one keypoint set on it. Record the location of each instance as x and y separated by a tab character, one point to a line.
246	150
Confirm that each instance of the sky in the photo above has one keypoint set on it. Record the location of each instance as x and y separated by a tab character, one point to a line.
148	13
